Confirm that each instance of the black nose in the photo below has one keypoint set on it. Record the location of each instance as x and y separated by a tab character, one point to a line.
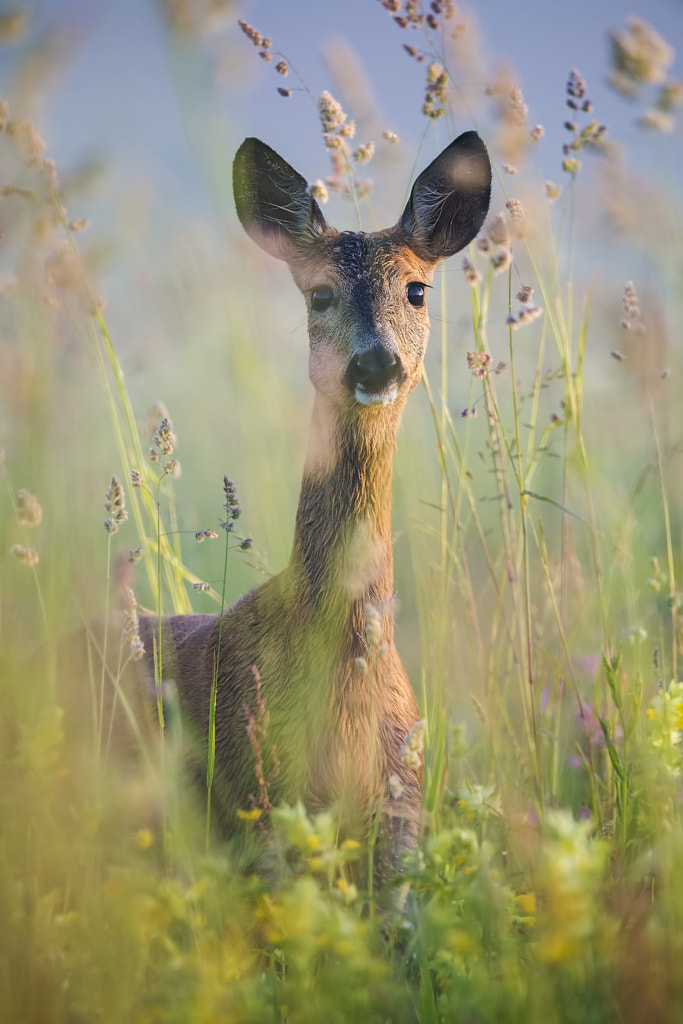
374	370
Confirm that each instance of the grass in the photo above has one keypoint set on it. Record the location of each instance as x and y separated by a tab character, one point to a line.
537	563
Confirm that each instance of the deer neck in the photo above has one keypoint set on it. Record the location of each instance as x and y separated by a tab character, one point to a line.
342	555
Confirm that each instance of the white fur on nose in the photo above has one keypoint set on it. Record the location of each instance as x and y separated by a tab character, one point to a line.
385	397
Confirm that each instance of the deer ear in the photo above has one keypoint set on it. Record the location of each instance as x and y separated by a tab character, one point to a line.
449	200
273	202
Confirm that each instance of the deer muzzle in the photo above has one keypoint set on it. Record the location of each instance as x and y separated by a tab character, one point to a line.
373	376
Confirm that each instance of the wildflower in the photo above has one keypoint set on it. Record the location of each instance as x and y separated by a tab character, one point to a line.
282	68
27	556
509	168
552	191
479	363
201	586
115	504
373	625
285	92
537	132
348	130
365	153
172	468
518	217
144	838
27	506
252	815
136	478
319	191
524	294
246	544
469	414
412	748
391	137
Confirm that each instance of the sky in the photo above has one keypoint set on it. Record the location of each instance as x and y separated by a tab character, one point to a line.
114	91
112	86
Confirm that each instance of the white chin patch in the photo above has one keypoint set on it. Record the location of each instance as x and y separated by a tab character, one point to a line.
385	397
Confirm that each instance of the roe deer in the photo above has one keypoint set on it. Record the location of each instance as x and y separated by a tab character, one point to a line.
336	723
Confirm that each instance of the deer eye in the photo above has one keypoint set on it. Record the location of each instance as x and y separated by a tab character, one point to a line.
321	299
416	293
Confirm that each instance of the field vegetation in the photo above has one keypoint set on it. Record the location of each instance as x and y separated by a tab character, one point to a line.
537	499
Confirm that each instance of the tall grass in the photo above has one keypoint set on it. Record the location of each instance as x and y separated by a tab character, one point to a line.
537	501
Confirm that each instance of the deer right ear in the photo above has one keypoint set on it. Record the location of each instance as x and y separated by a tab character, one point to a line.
273	202
449	200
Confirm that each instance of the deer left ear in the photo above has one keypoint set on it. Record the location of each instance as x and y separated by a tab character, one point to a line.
273	201
449	200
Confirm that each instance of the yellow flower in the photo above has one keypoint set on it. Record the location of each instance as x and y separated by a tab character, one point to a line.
144	838
527	901
253	815
679	713
651	713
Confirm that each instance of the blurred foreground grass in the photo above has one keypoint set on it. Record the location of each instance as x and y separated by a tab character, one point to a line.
537	555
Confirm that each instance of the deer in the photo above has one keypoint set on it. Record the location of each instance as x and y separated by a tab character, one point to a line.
320	634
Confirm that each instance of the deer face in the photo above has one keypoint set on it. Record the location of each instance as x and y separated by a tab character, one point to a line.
367	316
366	293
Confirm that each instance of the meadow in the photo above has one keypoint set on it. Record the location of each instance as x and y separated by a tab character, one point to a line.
537	550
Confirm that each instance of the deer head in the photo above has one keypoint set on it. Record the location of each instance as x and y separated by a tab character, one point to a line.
365	292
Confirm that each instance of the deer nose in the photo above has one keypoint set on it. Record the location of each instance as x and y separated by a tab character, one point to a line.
374	370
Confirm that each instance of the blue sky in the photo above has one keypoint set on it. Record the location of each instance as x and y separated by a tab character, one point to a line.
115	93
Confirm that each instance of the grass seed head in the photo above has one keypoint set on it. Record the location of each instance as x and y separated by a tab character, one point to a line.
27	556
518	218
115	505
412	748
27	507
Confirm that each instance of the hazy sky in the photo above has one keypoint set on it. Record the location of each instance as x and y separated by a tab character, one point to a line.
115	91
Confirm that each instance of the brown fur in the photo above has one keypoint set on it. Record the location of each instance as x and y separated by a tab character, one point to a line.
337	726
